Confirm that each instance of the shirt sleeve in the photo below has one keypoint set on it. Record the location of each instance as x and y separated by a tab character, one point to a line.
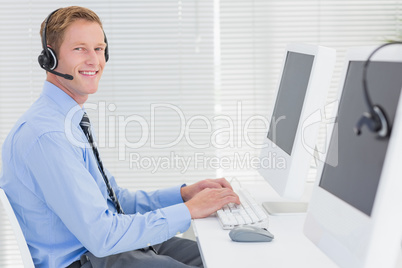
61	179
142	201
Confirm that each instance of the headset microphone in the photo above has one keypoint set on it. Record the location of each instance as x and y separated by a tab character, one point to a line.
66	76
48	62
376	119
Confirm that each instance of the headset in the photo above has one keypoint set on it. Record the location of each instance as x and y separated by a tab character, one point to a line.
48	59
376	118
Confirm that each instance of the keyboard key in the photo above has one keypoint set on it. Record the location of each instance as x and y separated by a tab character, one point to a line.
248	212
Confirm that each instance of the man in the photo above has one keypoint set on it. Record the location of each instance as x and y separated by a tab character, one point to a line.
70	208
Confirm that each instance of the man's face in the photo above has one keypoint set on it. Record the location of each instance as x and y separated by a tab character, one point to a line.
82	55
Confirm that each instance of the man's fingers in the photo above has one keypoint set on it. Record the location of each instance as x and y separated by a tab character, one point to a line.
210	200
224	196
218	183
225	183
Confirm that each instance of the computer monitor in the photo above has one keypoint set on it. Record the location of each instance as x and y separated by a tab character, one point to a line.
302	91
355	212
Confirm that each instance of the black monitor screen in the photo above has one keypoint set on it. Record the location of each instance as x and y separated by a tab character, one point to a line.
290	99
354	163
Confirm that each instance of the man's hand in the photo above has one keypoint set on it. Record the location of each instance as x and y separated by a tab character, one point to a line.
209	201
207	196
190	191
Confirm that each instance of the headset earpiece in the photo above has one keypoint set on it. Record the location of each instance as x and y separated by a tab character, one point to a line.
376	122
382	127
107	48
48	61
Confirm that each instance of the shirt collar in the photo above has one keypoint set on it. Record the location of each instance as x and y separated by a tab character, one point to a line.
67	105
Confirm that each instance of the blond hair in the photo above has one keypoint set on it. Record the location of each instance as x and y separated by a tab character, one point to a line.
61	19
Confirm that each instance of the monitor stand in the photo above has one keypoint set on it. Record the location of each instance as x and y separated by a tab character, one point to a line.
282	208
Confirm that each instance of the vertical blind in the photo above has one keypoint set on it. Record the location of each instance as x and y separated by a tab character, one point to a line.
189	86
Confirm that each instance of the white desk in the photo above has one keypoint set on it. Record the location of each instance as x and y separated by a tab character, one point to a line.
290	248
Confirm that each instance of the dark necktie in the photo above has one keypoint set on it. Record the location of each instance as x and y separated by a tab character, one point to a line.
86	127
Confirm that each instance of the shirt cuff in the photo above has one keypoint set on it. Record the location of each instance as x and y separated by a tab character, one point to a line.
179	218
170	196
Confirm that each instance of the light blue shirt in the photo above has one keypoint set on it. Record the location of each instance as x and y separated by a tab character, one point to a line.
55	187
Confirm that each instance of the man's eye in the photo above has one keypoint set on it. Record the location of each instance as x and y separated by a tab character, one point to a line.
78	48
99	49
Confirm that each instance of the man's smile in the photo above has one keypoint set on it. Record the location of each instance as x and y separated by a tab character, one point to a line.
88	73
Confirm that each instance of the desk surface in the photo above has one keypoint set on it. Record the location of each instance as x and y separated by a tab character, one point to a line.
290	248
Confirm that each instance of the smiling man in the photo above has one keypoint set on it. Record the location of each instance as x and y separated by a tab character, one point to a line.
70	208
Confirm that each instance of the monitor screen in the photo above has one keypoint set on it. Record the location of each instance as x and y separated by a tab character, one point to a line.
360	158
290	99
302	89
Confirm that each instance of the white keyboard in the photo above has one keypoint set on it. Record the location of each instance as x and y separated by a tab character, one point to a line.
247	213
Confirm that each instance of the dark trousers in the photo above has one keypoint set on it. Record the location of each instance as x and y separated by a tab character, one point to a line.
174	253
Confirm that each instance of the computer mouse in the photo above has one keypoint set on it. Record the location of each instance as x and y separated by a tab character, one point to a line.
248	233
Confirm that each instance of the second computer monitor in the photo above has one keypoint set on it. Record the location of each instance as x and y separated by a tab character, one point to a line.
354	215
302	91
